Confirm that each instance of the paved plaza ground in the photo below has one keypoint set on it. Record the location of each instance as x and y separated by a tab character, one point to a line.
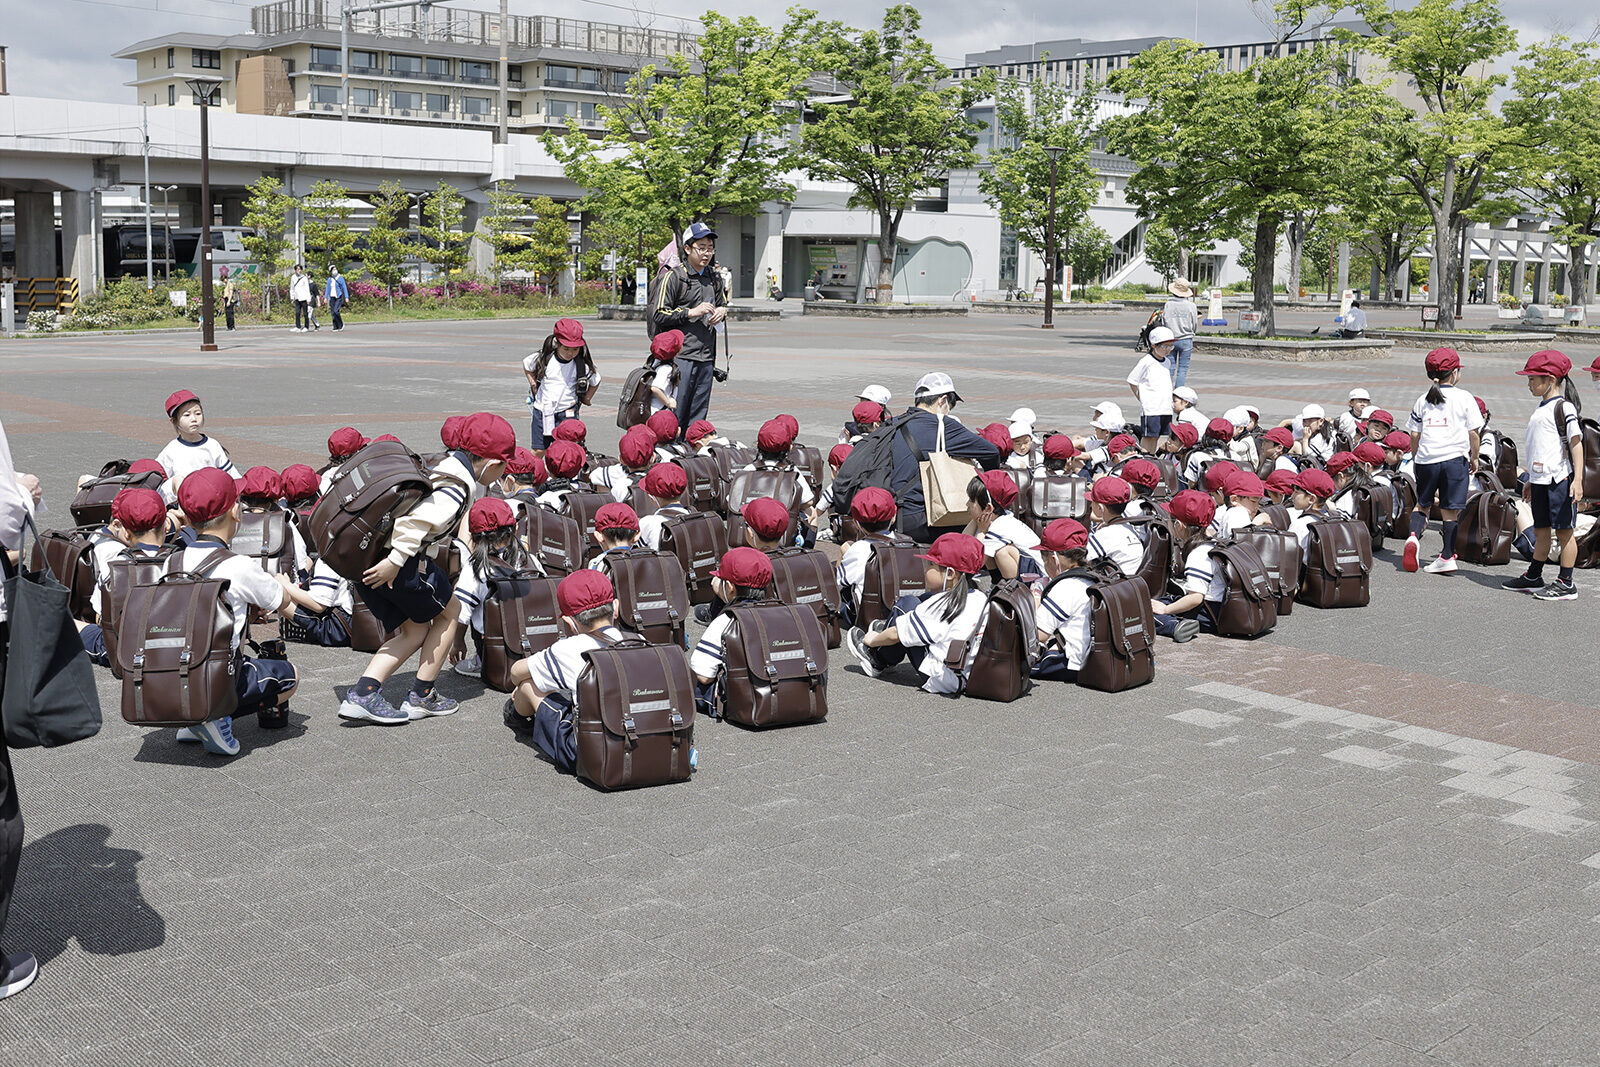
1367	838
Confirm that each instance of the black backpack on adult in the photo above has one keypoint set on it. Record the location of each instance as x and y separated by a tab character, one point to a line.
652	594
69	555
1007	641
776	665
1249	605
633	406
1280	554
870	463
805	578
1488	524
1338	566
520	618
1122	629
892	571
698	540
92	504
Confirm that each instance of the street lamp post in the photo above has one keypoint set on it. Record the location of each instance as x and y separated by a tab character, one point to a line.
166	231
203	86
1050	243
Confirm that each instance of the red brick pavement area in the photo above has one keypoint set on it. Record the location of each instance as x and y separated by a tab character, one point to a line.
1554	727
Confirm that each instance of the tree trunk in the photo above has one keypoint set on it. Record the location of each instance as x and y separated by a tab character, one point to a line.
1444	259
1266	247
1183	263
1577	273
888	238
1391	269
1297	247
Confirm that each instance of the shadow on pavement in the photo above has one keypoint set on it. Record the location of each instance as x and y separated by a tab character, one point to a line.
73	885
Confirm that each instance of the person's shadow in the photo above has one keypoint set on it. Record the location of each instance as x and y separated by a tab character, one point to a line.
71	884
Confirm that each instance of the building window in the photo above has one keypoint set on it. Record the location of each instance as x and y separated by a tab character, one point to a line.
205	59
514	73
324	58
474	105
557	75
405	101
366	62
172	96
436	67
588	78
481	73
364	97
405	66
438	101
171	61
324	94
565	109
514	108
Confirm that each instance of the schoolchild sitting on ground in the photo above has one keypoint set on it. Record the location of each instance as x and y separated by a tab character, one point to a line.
1104	458
543	704
1554	488
636	453
1065	613
210	503
997	434
525	475
1204	585
561	379
873	510
565	461
343	443
1213	447
138	517
766	523
616	529
261	491
1378	425
665	483
1010	547
664	424
574	430
1278	486
1113	538
1342	469
1348	424
701	437
865	417
1308	505
301	487
1022	455
1143	476
325	603
1181	440
492	548
1276	448
1184	400
191	449
1244	489
773	442
1106	421
665	373
1444	424
1397	452
1242	448
743	576
409	594
1214	482
1061	456
1371	456
922	628
1313	435
820	512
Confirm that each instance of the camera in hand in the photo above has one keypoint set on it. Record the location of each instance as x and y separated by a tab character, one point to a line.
720	375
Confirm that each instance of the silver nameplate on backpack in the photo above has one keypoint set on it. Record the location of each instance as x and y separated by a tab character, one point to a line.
167	642
647	605
811	599
649	705
550	629
798	653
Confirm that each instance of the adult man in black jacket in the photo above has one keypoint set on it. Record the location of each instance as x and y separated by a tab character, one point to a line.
692	299
934	397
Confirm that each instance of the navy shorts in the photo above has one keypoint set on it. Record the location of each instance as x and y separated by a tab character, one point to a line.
331	630
1447	480
536	439
1552	505
418	594
94	643
1154	425
250	681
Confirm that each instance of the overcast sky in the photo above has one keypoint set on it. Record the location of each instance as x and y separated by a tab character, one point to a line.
62	48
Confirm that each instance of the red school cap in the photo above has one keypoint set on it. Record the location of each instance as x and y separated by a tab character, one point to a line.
488	436
1382	416
1110	489
698	431
1442	359
664	424
145	466
774	436
1216	476
1059	446
616	517
1192	508
667	344
347	441
838	454
569	332
1121	443
791	422
1220	428
1281	481
572	430
139	509
745	567
666	481
1317	483
583	591
206	494
1245	484
873	505
637	446
1002	487
177	400
489	513
1398	440
1549	362
1186	434
1281	436
300	481
867	411
1140	471
1340	462
565	458
450	432
522	461
767	517
1369	452
957	551
997	434
261	482
1063	535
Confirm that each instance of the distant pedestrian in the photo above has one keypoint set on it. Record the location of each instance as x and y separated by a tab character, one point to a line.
1355	322
338	294
230	297
1181	317
300	293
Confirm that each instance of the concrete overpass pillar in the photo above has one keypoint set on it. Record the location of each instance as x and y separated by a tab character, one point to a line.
769	247
1519	272
480	251
1402	282
36	235
187	201
232	211
80	241
1541	277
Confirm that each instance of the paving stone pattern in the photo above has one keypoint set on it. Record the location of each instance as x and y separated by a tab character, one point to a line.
1367	838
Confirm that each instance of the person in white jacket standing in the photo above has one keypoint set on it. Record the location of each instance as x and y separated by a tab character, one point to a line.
300	293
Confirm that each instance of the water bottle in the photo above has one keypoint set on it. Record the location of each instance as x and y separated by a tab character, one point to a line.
694	759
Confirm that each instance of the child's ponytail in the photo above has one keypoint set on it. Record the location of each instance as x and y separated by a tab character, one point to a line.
1435	395
955	596
1570	394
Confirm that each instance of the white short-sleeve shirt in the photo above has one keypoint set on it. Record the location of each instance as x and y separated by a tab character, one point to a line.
1009	530
923	628
1119	543
248	585
1202	575
182	458
1549	451
1444	430
329	589
1065	611
556	669
1153	379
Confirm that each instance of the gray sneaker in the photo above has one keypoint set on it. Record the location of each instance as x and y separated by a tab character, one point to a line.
472	667
1557	590
372	708
418	706
855	641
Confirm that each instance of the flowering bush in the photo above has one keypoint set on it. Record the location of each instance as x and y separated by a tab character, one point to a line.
1509	302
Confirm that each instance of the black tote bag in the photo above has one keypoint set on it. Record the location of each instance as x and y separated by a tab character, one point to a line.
49	698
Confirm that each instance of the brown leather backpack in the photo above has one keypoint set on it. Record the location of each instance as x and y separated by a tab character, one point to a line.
808	459
1488	525
1589	548
1280	554
635	715
1159	564
892	571
1056	496
1122	630
633	405
557	540
1338	565
701	494
582	507
352	521
175	649
780	483
805	578
264	536
1374	506
777	665
122	574
366	634
1278	515
69	555
1007	640
727	459
698	540
652	593
92	505
1249	605
520	617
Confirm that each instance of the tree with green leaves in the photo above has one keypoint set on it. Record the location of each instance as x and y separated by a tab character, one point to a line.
547	251
702	133
266	215
1036	120
1554	113
443	242
902	128
326	226
1453	147
388	242
503	229
1088	253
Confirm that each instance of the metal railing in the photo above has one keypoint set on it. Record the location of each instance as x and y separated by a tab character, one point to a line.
46	294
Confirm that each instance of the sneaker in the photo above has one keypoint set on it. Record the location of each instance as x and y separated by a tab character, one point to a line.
275	718
522	724
372	708
17	973
1409	557
217	736
1524	584
1442	565
435	703
1557	590
702	614
187	735
855	641
472	667
1186	630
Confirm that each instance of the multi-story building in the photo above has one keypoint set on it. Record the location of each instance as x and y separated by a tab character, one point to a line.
418	63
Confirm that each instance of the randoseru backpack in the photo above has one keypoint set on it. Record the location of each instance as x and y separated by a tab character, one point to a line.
1122	630
122	574
633	406
92	505
780	483
892	571
175	649
1277	514
520	618
352	521
1057	496
702	476
652	594
366	634
1374	506
776	665
582	508
264	536
1249	605
1280	554
808	459
557	540
635	715
1160	556
1007	640
1338	565
726	460
805	578
698	540
69	555
1488	524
